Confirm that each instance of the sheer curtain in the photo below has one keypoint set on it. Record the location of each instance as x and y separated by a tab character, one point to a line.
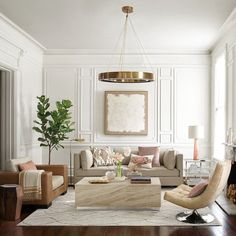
219	107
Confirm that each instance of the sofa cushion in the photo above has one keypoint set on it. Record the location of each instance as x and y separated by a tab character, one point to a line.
96	171
150	151
86	159
154	172
169	159
12	165
57	181
29	165
160	171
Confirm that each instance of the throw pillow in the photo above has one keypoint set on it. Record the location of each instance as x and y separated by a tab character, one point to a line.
198	189
102	157
86	159
169	159
142	151
27	166
140	161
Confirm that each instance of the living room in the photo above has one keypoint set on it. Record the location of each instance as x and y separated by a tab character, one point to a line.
60	50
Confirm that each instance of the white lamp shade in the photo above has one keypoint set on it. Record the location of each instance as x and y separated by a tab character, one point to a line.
196	131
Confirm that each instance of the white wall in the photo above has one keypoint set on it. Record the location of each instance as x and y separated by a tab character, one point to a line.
227	43
20	54
179	97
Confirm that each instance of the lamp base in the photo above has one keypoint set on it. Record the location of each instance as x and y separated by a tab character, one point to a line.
195	150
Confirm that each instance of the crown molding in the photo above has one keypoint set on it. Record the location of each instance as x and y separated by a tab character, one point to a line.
128	52
224	29
21	31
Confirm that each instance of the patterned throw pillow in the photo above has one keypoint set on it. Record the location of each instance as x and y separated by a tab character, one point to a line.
102	156
140	161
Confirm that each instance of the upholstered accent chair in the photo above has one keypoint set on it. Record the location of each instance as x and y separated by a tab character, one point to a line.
54	181
180	195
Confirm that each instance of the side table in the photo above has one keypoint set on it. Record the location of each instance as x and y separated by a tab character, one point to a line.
11	196
195	170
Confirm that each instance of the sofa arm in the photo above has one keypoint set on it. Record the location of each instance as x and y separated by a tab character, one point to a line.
179	163
7	177
56	170
77	163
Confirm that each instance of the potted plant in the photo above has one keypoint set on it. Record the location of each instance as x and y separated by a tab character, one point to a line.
53	125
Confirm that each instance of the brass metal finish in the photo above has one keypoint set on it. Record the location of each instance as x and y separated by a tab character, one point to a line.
127	9
126	77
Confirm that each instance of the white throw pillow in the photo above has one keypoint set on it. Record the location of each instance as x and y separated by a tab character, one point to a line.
12	165
86	159
169	159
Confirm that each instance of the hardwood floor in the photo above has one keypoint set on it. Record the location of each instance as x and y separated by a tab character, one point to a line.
228	228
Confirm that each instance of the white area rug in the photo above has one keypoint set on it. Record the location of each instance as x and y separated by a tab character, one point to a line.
63	213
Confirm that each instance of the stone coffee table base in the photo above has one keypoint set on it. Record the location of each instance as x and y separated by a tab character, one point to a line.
120	195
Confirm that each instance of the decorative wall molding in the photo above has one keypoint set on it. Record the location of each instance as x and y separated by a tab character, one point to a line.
156	51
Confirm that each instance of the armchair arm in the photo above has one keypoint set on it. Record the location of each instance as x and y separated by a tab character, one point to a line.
179	164
46	186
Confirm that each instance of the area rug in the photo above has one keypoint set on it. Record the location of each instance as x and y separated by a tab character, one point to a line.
63	213
227	205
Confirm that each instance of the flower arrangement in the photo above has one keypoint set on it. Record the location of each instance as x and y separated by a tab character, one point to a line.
118	158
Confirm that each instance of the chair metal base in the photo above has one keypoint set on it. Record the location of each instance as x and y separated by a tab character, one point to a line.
194	217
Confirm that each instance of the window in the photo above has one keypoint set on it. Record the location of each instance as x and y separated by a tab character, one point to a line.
219	107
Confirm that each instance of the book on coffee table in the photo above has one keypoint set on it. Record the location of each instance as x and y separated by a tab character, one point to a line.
140	180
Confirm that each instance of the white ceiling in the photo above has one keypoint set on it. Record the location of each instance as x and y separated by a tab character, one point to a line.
96	24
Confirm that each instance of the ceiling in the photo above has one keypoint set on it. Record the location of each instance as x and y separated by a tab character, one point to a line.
96	24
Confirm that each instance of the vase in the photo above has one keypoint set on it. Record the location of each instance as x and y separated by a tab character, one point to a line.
118	170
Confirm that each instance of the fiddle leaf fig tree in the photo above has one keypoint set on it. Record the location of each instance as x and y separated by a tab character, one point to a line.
54	125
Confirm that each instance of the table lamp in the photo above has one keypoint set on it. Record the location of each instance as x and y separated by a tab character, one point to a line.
195	132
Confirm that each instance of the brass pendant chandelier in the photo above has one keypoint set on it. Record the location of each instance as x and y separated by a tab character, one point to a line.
124	76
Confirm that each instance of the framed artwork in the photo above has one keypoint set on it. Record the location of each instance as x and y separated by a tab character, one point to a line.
126	112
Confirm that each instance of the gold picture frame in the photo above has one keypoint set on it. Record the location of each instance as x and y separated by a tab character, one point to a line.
126	113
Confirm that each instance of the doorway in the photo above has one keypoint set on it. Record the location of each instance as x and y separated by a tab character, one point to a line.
6	117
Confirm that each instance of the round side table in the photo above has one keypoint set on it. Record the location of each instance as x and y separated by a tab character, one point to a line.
11	196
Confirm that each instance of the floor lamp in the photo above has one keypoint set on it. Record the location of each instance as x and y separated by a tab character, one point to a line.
78	140
195	132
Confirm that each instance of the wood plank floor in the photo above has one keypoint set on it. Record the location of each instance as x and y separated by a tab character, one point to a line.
228	228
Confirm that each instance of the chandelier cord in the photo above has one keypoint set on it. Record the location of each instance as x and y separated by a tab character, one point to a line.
122	52
141	46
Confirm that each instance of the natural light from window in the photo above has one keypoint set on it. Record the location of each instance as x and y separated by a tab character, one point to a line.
220	107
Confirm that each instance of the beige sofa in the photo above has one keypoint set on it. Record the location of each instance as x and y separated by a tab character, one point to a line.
168	177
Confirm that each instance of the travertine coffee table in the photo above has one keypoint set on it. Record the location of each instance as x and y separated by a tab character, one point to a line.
118	194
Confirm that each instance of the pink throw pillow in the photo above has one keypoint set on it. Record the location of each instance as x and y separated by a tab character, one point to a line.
198	189
142	151
27	166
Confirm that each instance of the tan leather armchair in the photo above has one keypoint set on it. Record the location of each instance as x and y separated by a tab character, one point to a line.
49	193
179	195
